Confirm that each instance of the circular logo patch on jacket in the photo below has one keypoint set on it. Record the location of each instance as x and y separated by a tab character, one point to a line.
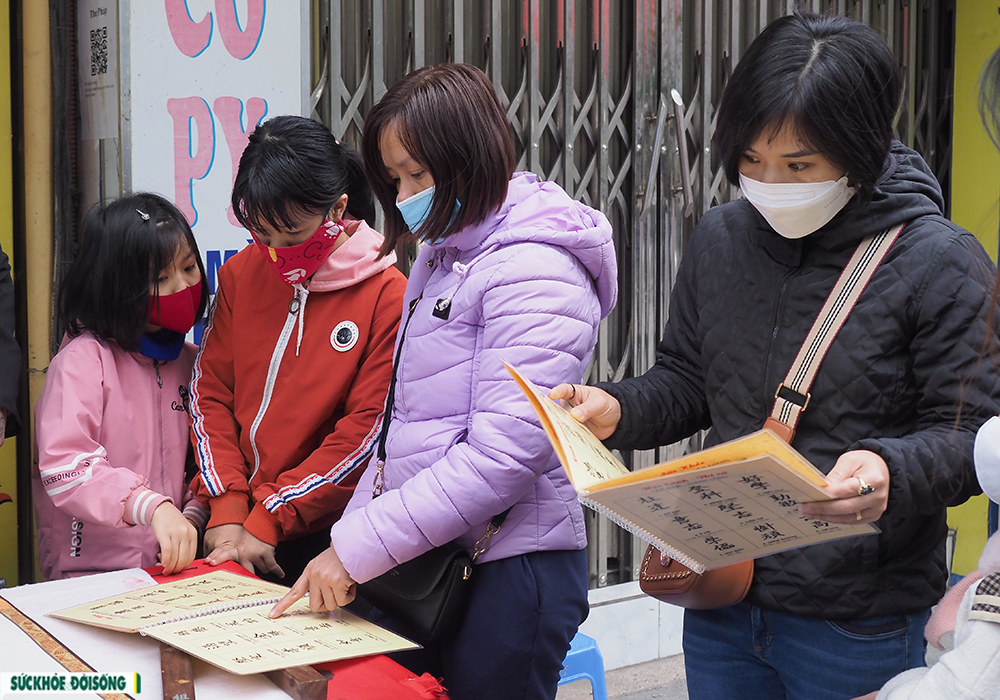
344	336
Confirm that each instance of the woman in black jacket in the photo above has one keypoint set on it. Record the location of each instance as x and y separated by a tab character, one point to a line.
805	129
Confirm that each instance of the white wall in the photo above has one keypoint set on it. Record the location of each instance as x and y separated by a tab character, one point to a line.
630	627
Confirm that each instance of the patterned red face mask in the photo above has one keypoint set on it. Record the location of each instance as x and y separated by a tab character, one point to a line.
176	311
297	263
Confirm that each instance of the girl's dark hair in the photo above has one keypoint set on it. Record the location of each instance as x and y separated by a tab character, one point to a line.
294	166
834	81
449	120
106	290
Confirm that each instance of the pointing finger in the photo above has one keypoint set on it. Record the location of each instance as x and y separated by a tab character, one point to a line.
294	593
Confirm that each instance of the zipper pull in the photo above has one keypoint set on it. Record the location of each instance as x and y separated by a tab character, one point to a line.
159	379
378	483
295	304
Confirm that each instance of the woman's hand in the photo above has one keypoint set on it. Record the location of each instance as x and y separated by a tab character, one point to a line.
327	582
598	410
177	537
847	482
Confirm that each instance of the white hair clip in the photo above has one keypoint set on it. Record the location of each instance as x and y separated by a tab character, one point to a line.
144	215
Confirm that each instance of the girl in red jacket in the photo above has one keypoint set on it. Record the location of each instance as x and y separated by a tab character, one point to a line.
111	425
290	383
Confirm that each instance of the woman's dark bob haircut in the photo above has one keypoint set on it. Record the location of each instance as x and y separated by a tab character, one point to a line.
106	290
449	120
834	81
293	168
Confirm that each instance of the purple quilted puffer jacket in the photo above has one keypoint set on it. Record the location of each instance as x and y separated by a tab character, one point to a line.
529	285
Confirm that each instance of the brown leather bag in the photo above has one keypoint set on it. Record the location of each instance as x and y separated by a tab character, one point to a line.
668	580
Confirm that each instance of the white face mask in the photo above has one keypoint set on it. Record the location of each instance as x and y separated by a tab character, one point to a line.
796	209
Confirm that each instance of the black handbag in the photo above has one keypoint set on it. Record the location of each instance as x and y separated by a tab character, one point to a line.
427	595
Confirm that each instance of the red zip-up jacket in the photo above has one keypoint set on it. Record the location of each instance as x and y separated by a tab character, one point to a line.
286	397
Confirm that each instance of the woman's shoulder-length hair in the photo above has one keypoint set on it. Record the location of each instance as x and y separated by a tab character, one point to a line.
449	120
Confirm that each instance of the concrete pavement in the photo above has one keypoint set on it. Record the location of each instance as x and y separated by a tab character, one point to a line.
662	679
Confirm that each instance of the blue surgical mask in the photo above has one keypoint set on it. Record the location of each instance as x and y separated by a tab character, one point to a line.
415	209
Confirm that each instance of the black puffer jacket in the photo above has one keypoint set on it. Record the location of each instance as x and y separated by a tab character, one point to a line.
904	378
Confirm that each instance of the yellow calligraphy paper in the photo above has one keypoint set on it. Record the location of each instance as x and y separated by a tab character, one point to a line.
730	503
221	617
199	595
247	641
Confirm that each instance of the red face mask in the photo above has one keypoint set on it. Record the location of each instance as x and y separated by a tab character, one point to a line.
176	311
297	263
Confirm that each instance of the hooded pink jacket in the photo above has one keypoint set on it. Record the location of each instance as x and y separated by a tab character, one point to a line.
112	434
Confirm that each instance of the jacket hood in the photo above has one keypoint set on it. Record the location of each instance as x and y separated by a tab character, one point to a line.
542	212
907	190
354	261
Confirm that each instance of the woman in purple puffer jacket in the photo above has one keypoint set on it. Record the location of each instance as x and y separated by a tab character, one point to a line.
511	269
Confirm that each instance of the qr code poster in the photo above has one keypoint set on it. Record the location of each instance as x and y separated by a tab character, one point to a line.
97	56
99	51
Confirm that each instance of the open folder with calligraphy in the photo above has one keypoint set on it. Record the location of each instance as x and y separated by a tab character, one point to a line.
723	505
221	618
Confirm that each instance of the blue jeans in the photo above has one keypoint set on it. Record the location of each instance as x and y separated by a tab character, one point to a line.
523	613
747	652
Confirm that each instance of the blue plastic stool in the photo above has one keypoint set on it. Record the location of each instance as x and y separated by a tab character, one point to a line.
584	660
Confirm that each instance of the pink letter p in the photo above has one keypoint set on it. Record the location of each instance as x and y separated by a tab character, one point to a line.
192	160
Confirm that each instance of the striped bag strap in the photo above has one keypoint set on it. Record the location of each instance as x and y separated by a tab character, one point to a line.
792	396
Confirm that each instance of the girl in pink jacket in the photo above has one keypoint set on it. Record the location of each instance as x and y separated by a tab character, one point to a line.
111	425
